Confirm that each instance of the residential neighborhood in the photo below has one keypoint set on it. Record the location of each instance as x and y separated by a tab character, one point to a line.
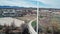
16	11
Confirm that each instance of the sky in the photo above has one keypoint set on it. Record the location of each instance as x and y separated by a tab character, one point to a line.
31	3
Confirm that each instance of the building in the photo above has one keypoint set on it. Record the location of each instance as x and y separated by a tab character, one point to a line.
12	12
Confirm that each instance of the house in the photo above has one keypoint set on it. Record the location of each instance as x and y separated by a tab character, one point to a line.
8	12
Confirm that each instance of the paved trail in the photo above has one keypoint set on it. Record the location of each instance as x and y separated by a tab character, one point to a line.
31	29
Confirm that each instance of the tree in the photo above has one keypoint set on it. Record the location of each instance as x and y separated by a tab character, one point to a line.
13	26
1	27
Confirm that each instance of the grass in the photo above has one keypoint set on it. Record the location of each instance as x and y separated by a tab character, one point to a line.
41	16
34	23
56	20
1	16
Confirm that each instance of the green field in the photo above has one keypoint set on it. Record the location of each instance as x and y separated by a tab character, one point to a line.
34	23
41	16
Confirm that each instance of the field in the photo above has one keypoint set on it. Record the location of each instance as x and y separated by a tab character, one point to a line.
55	20
34	23
27	18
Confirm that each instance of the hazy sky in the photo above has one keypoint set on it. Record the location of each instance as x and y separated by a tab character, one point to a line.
31	3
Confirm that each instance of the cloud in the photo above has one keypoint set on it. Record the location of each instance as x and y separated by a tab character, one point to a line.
20	3
50	3
32	3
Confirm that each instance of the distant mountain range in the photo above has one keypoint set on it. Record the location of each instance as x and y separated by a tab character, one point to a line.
25	7
10	7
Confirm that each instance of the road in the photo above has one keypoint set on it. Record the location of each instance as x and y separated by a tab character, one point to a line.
31	29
